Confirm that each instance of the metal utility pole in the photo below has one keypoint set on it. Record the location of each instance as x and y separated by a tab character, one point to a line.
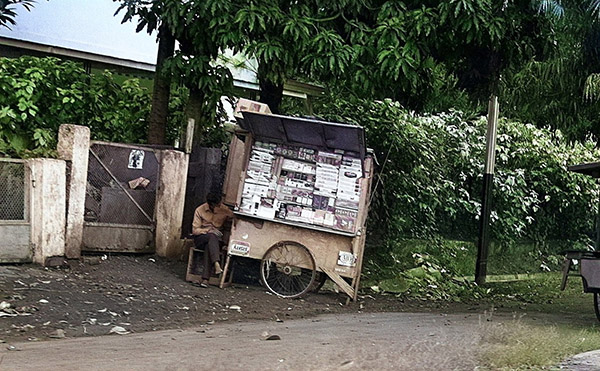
486	199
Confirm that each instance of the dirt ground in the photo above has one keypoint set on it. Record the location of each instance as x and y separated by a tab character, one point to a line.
140	293
144	293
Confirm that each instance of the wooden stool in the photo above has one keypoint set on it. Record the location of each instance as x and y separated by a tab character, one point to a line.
194	267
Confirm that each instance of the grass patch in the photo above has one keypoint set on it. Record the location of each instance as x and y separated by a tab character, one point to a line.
516	346
541	293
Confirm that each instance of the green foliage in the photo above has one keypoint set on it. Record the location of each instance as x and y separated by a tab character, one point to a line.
431	167
422	276
40	94
203	29
559	90
117	113
7	11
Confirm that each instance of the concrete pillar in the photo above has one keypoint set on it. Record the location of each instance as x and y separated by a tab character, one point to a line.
48	202
74	146
170	201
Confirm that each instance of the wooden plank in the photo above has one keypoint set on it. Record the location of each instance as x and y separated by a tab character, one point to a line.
339	281
235	164
358	244
242	174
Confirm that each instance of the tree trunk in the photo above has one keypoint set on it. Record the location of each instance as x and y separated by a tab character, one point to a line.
195	110
270	92
157	128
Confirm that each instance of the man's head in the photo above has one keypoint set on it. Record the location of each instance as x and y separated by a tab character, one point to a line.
213	199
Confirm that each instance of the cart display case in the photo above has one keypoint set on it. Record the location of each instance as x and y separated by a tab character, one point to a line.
300	189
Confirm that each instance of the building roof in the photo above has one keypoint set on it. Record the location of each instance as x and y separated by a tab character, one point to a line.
89	31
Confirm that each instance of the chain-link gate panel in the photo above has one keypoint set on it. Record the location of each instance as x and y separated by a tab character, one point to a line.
121	185
12	191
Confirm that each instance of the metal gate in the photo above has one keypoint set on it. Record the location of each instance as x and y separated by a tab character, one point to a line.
15	226
120	198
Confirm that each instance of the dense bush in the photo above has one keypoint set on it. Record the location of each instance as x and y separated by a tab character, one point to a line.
430	176
39	94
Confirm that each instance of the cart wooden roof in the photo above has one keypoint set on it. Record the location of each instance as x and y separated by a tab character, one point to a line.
307	132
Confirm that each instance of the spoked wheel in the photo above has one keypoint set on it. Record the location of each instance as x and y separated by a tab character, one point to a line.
288	269
597	305
319	281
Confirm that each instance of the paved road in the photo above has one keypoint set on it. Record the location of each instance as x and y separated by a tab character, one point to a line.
337	342
589	361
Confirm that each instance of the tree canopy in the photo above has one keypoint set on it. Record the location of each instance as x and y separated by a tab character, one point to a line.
8	11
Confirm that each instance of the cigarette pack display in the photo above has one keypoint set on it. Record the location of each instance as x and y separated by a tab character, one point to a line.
287	151
249	205
350	204
320	202
258	177
349	174
329	219
329	158
303	185
351	161
307	154
267	208
307	215
255	190
268	147
319	217
349	189
298	166
261	156
293	212
326	181
345	220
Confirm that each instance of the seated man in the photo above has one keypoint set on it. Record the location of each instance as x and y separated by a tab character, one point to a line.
208	220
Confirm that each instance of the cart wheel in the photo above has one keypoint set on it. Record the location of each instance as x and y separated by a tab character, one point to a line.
597	305
319	281
288	269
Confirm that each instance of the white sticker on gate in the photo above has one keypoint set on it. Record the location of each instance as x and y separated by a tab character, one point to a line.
136	159
241	248
346	259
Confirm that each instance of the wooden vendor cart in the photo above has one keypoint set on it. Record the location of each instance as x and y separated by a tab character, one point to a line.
300	190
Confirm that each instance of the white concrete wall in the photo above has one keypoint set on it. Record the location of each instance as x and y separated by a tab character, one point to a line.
74	146
48	202
170	201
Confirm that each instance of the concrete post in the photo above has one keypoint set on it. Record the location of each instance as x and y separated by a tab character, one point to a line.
170	201
74	146
48	201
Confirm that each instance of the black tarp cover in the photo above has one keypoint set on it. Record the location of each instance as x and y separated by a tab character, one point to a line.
306	132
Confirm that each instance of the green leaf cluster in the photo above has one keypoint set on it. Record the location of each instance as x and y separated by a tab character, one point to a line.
8	12
429	179
37	95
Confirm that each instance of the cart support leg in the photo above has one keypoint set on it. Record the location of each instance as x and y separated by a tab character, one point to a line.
339	281
225	269
565	271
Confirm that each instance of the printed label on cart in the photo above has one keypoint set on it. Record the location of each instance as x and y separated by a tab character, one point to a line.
346	259
239	248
